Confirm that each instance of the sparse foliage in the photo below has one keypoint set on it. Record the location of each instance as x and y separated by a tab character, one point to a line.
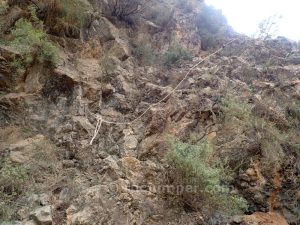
232	107
18	182
74	12
196	166
144	53
263	132
123	9
268	27
176	54
12	181
67	11
17	64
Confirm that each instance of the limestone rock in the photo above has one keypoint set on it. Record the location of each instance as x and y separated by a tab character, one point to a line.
103	29
111	169
22	151
113	204
129	139
133	170
30	222
270	218
6	75
151	27
42	216
82	122
151	146
117	48
39	199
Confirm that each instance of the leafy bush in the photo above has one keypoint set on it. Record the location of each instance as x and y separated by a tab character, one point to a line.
12	180
194	162
258	129
33	43
197	167
61	17
71	11
233	107
17	64
176	54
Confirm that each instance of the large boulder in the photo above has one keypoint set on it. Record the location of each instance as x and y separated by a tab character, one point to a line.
117	48
104	30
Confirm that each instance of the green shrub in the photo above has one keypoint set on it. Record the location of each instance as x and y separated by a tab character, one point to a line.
197	167
33	44
238	115
194	162
176	54
12	180
17	64
74	12
233	107
144	53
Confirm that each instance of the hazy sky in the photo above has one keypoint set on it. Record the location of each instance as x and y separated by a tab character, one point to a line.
245	15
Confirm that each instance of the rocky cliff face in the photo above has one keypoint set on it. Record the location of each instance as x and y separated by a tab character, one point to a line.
49	115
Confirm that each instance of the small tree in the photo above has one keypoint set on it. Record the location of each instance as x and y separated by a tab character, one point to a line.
268	27
122	9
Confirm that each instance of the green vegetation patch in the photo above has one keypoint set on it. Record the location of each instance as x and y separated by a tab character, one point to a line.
12	181
176	54
73	12
33	44
198	168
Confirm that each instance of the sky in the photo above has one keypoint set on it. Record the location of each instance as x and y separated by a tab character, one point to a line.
244	16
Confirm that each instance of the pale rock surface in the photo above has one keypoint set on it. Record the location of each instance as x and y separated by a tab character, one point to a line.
42	216
23	151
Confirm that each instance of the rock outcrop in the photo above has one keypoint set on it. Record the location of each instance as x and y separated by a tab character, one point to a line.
120	177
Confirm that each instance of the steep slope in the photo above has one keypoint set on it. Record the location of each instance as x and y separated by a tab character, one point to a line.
244	99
